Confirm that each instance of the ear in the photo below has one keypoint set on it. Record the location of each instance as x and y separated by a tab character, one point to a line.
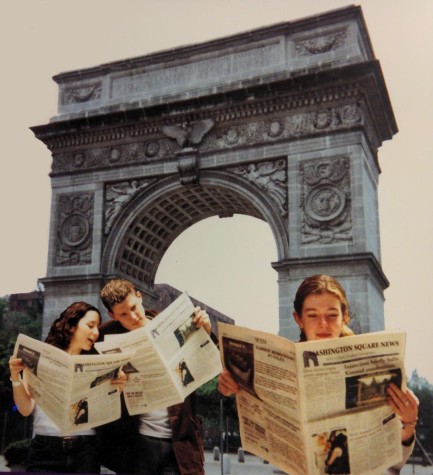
298	319
111	314
346	318
138	294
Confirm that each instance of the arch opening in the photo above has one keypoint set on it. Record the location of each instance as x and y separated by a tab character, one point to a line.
212	262
156	217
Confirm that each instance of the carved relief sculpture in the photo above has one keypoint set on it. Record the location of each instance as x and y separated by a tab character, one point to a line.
74	229
321	44
82	94
269	176
117	196
188	134
325	201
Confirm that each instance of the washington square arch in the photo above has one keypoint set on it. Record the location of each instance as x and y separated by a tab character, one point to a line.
282	123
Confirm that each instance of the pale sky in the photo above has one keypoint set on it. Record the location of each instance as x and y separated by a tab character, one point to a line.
41	38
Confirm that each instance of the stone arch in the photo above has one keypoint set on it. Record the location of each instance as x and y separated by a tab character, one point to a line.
283	123
161	212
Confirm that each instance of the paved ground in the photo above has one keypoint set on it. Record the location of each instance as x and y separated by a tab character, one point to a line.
254	466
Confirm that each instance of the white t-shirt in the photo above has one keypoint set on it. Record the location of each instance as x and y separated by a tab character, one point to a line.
156	424
43	425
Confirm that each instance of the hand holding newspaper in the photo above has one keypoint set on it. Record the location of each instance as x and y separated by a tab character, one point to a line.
172	358
73	390
298	401
165	361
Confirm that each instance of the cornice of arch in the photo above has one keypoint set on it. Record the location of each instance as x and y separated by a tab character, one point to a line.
282	110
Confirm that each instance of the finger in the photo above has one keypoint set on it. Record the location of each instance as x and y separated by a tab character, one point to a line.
398	397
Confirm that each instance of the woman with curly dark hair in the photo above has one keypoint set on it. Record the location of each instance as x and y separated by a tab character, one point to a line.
75	332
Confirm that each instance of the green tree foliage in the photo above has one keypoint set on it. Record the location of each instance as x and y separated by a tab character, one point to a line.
208	407
424	392
11	324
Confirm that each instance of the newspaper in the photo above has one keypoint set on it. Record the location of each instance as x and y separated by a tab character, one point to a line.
172	358
299	400
73	390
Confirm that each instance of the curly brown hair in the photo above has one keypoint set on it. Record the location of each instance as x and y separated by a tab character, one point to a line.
62	329
320	284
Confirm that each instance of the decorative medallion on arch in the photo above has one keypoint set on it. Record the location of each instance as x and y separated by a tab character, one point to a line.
74	229
326	200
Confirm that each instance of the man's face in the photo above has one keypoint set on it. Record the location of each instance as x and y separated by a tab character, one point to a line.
130	313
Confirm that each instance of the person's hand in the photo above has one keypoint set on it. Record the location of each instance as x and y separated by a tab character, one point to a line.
201	319
405	405
120	382
226	384
15	367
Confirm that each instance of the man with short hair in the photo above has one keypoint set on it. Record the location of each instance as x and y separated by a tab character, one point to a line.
159	442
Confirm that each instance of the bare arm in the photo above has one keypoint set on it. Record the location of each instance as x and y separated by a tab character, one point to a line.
22	398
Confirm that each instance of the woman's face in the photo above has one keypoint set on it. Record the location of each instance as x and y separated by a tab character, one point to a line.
321	317
85	333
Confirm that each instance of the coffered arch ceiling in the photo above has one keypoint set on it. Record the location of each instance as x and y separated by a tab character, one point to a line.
157	216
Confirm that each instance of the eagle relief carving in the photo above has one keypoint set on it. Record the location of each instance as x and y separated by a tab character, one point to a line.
188	134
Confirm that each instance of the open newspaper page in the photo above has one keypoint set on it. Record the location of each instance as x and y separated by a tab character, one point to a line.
73	390
268	404
172	358
343	382
317	396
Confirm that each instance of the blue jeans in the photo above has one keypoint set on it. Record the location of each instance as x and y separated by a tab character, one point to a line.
76	454
156	457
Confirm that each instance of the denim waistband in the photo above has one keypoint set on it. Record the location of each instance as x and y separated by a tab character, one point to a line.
68	442
160	439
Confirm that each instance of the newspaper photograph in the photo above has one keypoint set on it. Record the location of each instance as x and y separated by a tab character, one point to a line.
298	401
172	358
73	390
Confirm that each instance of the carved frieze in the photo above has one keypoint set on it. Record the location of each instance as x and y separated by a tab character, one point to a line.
74	229
269	176
117	195
321	43
104	157
247	125
261	130
325	201
83	93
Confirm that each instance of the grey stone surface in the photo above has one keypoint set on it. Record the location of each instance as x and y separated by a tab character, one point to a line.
282	50
282	123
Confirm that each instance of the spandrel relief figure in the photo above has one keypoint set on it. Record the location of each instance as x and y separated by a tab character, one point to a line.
270	176
116	198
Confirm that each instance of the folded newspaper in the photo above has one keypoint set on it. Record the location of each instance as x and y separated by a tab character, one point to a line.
299	401
166	360
172	358
73	390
